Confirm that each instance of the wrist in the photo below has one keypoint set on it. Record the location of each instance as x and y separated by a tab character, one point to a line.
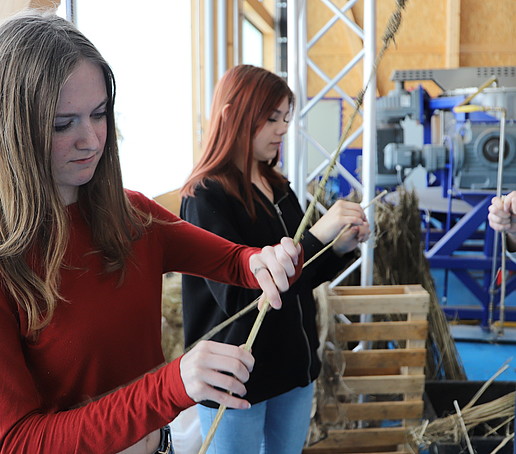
511	242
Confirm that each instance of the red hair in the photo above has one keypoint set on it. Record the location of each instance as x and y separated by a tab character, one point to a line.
253	94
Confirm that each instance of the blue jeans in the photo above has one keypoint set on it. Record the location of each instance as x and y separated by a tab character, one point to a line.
275	426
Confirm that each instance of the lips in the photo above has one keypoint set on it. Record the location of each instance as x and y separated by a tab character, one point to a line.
85	160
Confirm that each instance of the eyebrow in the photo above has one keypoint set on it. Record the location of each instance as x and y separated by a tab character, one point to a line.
68	115
278	111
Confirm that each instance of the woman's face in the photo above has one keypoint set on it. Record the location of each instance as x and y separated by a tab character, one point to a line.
268	139
80	129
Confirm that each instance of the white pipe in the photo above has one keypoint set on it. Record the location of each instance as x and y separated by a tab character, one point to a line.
221	38
208	56
293	136
71	11
303	94
330	23
369	137
349	66
237	58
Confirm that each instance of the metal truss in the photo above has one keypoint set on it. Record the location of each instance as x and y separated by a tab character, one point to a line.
299	136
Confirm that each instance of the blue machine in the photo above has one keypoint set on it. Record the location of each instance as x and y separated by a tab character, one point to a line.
458	154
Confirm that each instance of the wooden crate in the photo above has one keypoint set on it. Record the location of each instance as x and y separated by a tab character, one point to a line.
390	382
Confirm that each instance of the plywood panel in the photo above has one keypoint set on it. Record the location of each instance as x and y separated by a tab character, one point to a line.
488	35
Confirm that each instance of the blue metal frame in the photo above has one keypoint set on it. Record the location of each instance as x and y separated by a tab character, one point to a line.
461	245
449	253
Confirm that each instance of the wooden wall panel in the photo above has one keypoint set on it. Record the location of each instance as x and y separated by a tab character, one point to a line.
488	33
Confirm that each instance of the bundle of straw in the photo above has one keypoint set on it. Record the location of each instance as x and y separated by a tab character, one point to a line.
455	428
451	428
399	259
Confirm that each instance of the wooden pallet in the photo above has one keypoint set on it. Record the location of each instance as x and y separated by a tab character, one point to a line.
378	385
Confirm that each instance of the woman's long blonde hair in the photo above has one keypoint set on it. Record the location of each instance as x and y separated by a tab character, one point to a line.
38	52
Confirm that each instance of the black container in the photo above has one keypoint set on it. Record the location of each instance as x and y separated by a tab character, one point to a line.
480	446
439	397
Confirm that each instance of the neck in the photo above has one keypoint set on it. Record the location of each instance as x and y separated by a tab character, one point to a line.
263	185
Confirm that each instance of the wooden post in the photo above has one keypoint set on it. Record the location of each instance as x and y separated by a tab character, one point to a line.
452	57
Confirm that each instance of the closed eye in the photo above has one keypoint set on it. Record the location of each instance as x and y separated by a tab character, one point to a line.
100	115
63	127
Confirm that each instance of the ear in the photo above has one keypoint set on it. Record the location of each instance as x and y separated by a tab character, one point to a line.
225	111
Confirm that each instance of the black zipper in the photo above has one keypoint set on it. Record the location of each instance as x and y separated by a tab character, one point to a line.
300	308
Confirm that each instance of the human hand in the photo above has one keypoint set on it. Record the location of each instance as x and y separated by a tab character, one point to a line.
502	213
211	365
502	216
340	214
272	267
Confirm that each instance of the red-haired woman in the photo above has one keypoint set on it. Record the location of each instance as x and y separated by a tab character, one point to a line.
236	191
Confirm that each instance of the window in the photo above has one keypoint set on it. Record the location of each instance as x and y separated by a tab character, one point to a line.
150	52
252	44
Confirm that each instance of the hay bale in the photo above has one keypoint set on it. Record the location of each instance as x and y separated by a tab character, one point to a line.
172	336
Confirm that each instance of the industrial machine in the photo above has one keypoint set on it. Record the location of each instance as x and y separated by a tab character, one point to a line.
456	152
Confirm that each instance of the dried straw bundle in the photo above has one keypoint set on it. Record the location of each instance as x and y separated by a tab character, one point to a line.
450	429
399	259
455	428
172	338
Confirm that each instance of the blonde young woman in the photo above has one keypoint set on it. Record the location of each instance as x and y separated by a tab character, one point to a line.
81	264
237	192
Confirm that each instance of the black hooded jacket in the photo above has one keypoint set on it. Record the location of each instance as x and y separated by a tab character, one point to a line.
285	349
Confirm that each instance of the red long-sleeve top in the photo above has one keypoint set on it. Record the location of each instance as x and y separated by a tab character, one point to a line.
84	385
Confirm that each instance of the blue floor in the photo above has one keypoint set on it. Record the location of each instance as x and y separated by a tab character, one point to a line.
482	360
482	353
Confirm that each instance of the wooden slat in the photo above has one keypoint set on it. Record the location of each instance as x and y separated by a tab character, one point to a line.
385	384
374	331
315	449
381	358
258	13
372	411
375	304
339	439
370	372
452	53
380	290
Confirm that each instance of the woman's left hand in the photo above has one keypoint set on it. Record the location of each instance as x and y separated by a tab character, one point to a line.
341	214
273	267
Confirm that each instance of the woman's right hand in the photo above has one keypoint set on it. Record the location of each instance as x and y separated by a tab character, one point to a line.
502	217
211	365
501	213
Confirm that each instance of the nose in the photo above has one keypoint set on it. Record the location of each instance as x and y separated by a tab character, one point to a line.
88	138
282	127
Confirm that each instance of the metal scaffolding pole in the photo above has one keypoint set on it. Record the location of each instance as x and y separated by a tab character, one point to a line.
221	38
209	59
299	137
369	136
296	146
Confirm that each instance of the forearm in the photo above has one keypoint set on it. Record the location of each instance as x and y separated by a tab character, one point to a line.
109	424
